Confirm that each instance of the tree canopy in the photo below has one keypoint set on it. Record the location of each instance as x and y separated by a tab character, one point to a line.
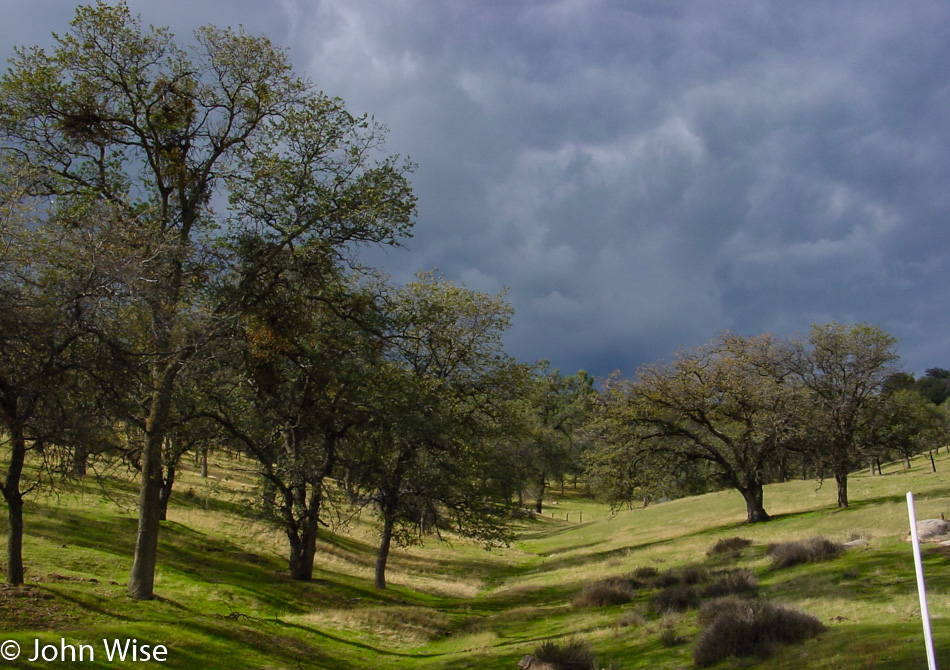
126	122
730	404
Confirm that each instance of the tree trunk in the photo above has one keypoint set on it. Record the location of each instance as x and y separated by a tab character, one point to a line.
303	546
165	493
14	498
755	511
841	479
142	576
303	549
80	456
538	504
385	541
15	540
204	462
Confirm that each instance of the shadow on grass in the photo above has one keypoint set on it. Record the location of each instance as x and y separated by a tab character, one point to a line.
193	556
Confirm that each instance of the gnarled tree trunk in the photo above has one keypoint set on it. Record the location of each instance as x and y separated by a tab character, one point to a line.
753	495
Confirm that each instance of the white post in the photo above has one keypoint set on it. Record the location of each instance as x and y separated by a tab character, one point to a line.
921	589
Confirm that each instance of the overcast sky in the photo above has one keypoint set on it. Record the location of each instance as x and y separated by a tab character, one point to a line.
642	175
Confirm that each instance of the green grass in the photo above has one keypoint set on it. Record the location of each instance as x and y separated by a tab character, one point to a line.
225	601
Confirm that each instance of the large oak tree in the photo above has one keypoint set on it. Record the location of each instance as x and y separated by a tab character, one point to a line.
732	404
846	369
125	117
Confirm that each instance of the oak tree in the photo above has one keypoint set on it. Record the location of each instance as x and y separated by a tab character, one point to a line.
124	116
439	398
845	369
731	404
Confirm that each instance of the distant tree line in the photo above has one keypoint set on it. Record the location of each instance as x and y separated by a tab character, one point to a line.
743	412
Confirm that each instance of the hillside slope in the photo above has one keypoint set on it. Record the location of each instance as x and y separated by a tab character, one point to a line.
225	600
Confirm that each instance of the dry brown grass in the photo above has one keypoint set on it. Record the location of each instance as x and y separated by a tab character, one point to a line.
402	625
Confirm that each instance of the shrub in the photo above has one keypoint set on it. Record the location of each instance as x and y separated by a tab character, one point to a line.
731	546
692	575
729	607
613	591
645	572
631	618
574	655
749	628
733	583
813	550
674	599
667	580
668	635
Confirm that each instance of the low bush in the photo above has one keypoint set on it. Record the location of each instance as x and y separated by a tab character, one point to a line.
731	546
812	550
668	635
573	655
612	591
645	572
733	627
631	618
692	575
729	607
667	580
674	599
733	583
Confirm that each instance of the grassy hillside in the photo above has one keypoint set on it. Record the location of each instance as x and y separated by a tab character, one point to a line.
225	601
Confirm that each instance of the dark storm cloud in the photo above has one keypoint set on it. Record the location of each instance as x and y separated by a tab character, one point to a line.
642	175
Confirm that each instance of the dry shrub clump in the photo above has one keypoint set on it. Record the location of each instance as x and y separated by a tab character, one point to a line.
734	627
692	575
812	550
573	655
733	583
631	618
612	591
729	546
674	599
667	580
645	572
669	637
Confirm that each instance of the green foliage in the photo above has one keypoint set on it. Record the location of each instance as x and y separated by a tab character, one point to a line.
727	404
125	125
845	368
47	350
905	423
934	385
439	395
746	411
548	446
